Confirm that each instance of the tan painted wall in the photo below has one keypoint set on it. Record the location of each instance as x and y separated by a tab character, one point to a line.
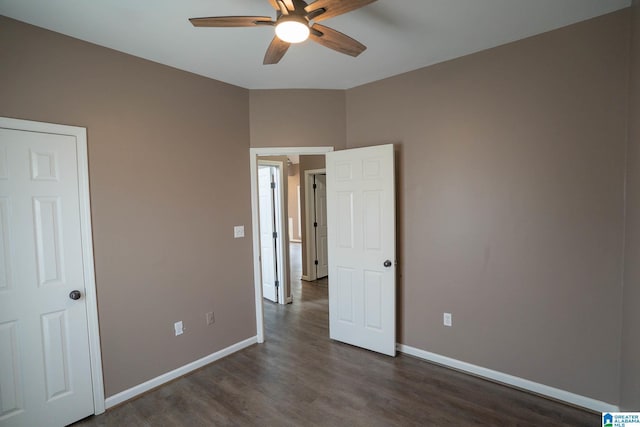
311	118
306	163
630	372
169	179
510	197
297	118
511	210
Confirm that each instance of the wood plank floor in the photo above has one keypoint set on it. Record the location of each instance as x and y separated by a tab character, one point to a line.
301	378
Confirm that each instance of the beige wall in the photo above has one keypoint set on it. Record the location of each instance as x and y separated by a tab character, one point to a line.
297	118
306	163
511	210
511	170
630	373
169	180
292	208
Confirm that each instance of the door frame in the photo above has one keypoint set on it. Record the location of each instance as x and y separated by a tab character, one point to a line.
281	259
80	135
254	153
311	241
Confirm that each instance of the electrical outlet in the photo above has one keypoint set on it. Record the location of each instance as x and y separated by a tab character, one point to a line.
178	327
210	319
447	319
238	231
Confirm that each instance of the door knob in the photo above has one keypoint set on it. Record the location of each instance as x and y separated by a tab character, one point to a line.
75	295
387	263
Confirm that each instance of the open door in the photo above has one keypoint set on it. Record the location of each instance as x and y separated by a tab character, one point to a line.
361	242
271	235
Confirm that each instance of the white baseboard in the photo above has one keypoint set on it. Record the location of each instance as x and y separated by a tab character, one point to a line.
521	383
305	278
116	399
295	240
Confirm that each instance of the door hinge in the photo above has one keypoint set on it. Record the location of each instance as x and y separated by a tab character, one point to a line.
315	186
273	185
315	224
316	262
275	234
277	284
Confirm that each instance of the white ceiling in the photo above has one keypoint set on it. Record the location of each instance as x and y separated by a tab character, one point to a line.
400	35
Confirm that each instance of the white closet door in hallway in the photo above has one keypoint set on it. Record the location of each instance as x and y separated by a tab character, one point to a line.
320	225
272	230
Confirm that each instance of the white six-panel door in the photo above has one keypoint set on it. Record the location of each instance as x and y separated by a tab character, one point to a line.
45	369
361	217
267	228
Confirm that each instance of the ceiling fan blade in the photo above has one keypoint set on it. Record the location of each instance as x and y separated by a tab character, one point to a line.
289	4
335	40
275	51
231	21
282	7
274	4
334	7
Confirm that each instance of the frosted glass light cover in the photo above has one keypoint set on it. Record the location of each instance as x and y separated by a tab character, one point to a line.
292	31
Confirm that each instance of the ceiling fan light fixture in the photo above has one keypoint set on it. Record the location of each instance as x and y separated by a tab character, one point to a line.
295	22
292	29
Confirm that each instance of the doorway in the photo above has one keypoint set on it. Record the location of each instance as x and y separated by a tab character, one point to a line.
361	243
255	154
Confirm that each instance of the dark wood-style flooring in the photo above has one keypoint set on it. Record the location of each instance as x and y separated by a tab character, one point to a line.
299	377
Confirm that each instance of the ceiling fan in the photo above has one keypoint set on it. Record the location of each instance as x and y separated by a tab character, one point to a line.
297	20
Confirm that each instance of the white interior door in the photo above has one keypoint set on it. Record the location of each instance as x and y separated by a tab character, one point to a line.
267	228
361	241
322	266
45	368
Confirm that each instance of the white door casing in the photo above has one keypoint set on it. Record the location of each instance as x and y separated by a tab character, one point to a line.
268	254
50	371
321	250
361	217
299	208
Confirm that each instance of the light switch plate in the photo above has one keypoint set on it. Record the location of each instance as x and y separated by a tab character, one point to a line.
447	319
238	231
178	327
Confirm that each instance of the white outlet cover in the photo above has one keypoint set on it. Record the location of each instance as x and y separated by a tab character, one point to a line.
238	231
